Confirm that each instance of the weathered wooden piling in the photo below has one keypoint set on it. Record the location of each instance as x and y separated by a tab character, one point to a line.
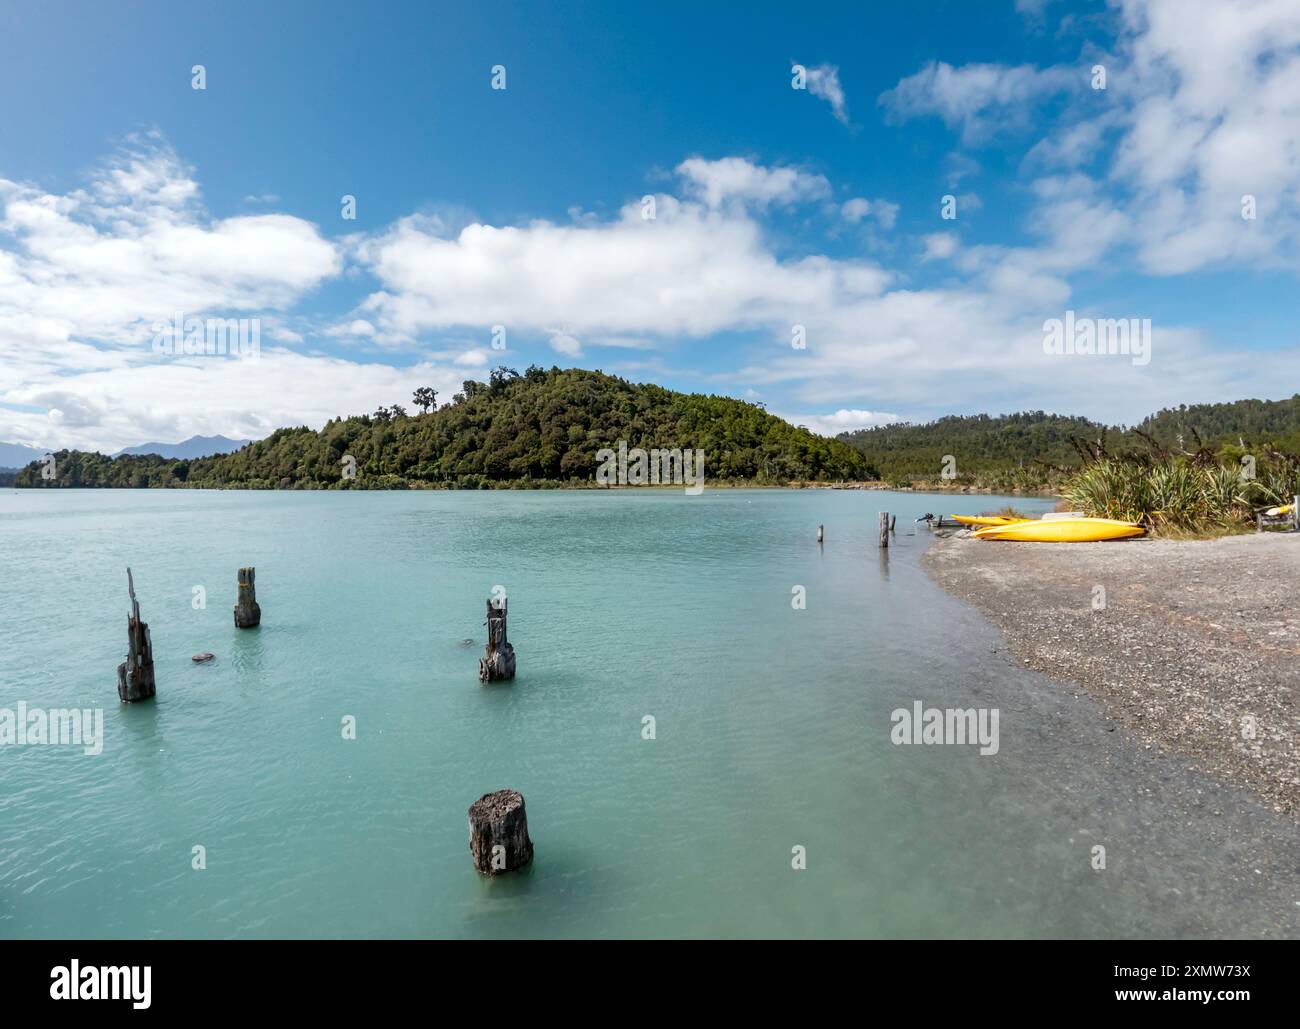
135	675
819	534
498	833
884	529
1295	513
499	664
247	611
893	522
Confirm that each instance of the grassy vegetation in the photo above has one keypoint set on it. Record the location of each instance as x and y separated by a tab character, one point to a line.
1179	495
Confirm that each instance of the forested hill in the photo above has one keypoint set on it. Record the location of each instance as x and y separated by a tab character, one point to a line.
1030	447
542	428
980	444
1251	421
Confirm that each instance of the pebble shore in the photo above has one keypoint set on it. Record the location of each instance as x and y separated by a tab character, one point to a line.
1194	646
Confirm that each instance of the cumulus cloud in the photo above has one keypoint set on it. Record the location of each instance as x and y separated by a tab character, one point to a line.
939	245
842	420
563	343
855	210
735	178
691	271
118	406
84	276
885	212
105	262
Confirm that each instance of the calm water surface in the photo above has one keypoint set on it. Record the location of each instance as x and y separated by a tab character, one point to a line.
772	728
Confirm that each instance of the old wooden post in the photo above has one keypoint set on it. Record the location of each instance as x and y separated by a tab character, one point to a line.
819	534
884	528
1295	513
499	664
135	674
247	611
893	521
498	832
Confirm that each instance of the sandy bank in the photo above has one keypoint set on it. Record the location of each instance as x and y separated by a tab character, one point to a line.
1195	639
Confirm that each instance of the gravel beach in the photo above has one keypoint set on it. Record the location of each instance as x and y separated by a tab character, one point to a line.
1193	645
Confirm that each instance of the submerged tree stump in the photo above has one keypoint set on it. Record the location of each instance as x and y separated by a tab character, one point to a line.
247	611
135	675
499	664
498	833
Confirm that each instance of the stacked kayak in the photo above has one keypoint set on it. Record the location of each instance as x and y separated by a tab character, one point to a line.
1061	530
1285	509
985	520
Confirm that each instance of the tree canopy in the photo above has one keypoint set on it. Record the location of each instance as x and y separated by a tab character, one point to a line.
541	428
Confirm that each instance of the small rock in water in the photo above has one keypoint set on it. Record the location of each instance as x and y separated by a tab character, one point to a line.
205	656
467	643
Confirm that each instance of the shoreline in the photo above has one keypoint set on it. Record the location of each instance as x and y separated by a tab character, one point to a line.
1195	639
522	486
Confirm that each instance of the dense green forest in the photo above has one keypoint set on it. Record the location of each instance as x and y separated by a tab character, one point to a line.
543	428
1033	449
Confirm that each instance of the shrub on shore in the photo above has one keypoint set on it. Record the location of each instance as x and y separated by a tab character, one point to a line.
1180	495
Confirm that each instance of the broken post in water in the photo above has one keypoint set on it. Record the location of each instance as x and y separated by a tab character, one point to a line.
498	832
499	664
884	529
819	534
247	611
893	522
135	674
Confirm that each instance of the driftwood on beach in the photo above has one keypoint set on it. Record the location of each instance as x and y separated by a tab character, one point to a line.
135	679
499	663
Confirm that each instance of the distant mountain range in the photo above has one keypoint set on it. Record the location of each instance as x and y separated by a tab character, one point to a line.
14	455
195	446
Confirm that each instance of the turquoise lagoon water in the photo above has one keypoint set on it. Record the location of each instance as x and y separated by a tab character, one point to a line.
772	727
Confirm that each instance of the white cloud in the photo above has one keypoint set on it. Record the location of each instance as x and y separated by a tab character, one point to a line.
855	210
735	178
884	211
105	262
841	421
980	98
563	343
823	81
1202	109
356	328
84	275
152	398
692	271
939	246
1215	116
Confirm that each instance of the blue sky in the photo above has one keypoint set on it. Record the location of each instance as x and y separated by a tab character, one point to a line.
127	195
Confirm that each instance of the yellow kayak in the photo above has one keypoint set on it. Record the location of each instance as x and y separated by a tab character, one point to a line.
985	519
1285	509
1062	530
